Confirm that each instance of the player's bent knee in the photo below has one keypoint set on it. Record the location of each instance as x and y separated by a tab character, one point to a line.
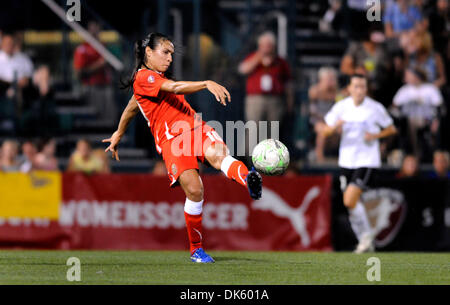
215	155
194	192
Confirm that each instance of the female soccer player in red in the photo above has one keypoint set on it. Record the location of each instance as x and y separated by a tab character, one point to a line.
180	136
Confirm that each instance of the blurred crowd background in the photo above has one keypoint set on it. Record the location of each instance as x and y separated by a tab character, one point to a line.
281	60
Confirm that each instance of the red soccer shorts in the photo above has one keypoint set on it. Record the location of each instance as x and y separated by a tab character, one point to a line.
185	150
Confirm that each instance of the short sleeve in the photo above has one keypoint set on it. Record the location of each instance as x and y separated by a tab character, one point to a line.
352	50
401	97
333	115
382	117
148	83
434	95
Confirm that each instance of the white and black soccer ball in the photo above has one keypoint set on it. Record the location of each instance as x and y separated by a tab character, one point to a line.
270	157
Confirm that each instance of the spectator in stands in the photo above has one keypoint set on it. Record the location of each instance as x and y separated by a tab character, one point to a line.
100	153
15	66
322	97
421	54
84	160
402	16
45	159
418	101
410	167
369	58
441	164
269	91
9	161
28	157
94	74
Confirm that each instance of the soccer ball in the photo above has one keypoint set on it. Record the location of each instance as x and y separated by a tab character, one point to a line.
270	157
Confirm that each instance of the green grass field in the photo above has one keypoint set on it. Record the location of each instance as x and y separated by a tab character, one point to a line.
173	267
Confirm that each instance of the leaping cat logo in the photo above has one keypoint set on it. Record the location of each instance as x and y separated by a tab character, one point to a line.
271	201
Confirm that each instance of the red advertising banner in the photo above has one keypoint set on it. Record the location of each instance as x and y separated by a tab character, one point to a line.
132	211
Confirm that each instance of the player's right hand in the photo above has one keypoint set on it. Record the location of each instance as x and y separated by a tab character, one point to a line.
114	142
220	92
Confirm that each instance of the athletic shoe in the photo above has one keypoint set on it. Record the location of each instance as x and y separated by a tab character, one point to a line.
254	183
200	256
365	244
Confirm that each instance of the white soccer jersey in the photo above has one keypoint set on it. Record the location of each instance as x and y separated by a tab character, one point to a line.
370	116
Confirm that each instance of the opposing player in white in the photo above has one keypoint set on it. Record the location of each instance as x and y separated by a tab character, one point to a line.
363	121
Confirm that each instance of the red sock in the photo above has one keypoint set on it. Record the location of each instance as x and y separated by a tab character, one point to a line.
238	171
194	229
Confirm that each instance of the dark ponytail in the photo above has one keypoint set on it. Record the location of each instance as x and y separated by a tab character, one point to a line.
152	40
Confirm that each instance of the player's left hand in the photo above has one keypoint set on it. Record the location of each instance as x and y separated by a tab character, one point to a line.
220	92
114	142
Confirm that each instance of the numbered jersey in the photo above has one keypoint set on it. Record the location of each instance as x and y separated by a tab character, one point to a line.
168	114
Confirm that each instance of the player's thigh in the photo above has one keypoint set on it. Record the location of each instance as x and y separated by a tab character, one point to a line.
351	195
214	148
215	153
192	184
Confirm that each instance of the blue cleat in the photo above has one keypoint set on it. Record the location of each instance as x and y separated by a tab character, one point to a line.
200	256
254	184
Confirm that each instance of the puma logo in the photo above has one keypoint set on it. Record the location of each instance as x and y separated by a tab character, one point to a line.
271	201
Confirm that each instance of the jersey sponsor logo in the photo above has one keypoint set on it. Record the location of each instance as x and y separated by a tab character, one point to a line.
386	210
271	201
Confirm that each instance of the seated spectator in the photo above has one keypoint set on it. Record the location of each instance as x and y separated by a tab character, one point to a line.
15	66
322	97
84	160
9	161
418	102
441	164
421	54
410	167
28	157
100	153
369	58
402	16
45	159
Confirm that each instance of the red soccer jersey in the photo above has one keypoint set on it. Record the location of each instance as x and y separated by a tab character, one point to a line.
167	114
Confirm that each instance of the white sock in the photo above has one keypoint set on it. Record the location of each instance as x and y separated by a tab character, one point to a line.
359	221
192	207
226	163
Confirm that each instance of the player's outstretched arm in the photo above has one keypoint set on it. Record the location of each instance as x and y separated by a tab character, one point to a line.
128	114
185	87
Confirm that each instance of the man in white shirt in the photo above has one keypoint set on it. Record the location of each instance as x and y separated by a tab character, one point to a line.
14	66
363	122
